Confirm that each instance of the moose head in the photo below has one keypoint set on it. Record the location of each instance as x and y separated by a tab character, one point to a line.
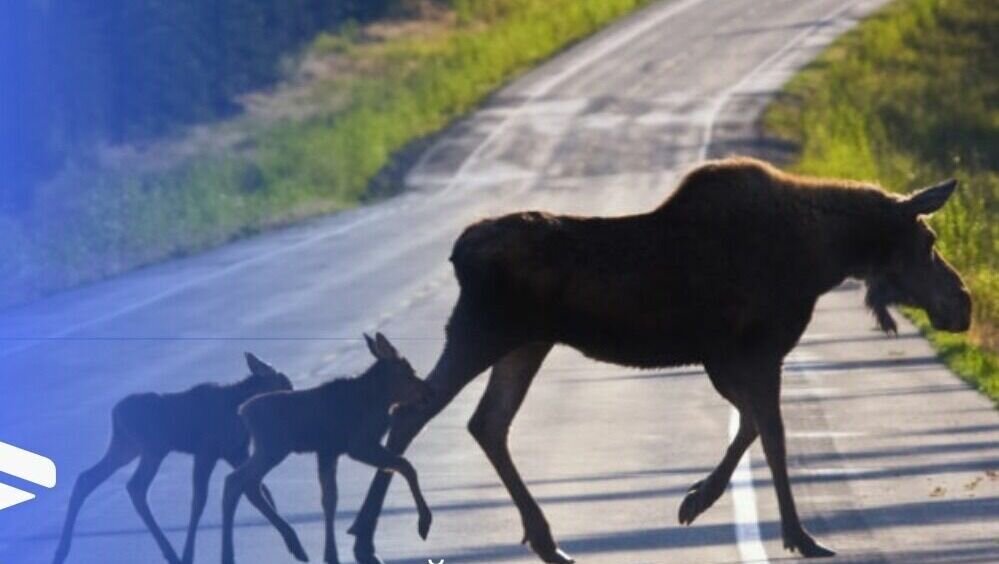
915	274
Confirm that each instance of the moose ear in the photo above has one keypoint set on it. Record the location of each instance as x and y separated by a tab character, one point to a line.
258	367
929	200
385	349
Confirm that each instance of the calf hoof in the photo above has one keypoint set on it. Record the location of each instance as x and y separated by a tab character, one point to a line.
697	500
424	525
296	549
802	543
367	557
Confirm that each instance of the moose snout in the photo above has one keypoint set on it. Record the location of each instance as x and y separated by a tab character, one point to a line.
955	313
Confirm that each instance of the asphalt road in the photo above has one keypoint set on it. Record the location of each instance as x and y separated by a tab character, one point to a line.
892	458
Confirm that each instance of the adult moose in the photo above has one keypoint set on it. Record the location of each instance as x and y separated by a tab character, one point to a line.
725	273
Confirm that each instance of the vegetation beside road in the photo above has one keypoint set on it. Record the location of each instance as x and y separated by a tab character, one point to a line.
908	98
371	89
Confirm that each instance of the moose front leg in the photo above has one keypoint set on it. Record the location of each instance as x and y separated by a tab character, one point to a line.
705	493
764	404
467	353
490	425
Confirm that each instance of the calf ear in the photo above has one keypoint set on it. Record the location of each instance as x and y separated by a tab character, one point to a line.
258	367
929	200
385	349
372	346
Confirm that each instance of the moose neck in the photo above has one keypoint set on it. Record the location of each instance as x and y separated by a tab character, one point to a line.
855	231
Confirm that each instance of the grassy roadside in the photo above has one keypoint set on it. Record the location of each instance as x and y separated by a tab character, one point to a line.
381	87
910	97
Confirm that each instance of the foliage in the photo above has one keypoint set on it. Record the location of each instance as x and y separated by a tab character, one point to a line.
908	98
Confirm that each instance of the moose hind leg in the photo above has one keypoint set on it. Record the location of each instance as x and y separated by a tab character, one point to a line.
490	425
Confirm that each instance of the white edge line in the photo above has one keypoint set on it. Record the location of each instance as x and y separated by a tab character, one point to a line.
747	521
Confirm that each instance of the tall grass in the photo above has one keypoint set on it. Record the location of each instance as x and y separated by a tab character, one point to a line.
393	91
908	98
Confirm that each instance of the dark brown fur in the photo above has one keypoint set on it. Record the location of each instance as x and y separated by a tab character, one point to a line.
346	416
725	273
201	421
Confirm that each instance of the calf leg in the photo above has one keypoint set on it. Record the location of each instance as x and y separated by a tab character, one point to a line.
467	352
379	457
247	480
236	459
327	481
120	452
204	464
490	425
764	406
138	490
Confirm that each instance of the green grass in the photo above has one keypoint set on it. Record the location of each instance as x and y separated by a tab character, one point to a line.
910	97
389	92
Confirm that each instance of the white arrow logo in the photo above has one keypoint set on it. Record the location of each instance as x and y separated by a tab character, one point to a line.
25	465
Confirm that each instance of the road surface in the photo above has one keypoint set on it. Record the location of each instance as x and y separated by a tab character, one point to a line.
892	458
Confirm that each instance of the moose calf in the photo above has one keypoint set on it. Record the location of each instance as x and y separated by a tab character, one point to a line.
343	416
202	421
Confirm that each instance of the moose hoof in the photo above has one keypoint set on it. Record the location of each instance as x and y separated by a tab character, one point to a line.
694	503
554	556
805	545
550	553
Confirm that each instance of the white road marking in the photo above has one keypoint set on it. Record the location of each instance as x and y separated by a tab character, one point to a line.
599	51
838	471
747	521
746	80
825	434
811	392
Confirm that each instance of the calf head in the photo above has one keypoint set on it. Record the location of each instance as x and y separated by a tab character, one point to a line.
264	377
394	373
915	274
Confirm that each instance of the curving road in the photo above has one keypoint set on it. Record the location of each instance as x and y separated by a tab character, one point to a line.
892	458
